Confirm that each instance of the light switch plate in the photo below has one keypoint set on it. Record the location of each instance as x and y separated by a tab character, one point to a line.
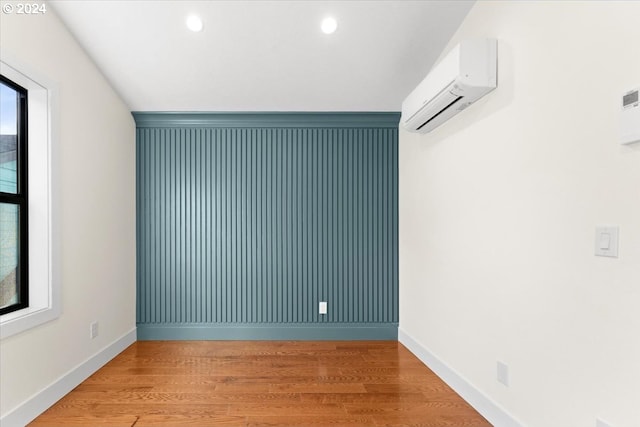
606	241
601	423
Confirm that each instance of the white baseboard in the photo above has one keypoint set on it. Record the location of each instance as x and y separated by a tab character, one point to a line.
481	403
40	402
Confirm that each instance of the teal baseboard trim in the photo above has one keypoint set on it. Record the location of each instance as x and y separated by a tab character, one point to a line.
492	411
178	119
351	332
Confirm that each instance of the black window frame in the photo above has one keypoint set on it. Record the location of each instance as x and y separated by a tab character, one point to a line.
21	197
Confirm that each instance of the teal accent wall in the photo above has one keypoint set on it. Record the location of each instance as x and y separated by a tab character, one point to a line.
245	222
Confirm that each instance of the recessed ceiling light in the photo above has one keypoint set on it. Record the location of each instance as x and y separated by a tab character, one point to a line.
194	23
329	25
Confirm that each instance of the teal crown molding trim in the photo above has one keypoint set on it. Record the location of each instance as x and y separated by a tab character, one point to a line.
375	120
200	331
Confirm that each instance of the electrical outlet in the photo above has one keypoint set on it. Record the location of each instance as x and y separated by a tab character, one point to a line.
93	330
323	307
600	423
502	373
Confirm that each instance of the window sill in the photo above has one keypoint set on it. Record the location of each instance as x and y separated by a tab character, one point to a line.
27	318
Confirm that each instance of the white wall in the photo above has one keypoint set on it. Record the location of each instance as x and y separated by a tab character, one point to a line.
94	211
498	209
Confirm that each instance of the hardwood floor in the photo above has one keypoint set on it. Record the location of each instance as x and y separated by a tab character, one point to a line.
263	383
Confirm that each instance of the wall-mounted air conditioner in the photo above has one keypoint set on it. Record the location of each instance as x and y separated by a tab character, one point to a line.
465	75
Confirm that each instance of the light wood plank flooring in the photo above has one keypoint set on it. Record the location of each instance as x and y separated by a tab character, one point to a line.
263	383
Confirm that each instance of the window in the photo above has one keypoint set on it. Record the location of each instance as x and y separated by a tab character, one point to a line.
27	226
14	273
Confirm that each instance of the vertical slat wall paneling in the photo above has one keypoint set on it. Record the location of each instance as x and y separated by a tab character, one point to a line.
246	222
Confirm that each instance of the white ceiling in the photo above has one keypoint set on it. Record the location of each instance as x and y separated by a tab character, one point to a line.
263	55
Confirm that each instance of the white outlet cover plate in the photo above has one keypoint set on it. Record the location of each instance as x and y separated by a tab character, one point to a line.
322	309
502	374
93	330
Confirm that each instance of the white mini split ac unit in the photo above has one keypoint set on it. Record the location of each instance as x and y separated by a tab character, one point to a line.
465	75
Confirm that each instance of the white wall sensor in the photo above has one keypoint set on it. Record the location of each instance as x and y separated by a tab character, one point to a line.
630	117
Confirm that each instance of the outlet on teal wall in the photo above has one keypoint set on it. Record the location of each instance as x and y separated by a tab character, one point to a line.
245	222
